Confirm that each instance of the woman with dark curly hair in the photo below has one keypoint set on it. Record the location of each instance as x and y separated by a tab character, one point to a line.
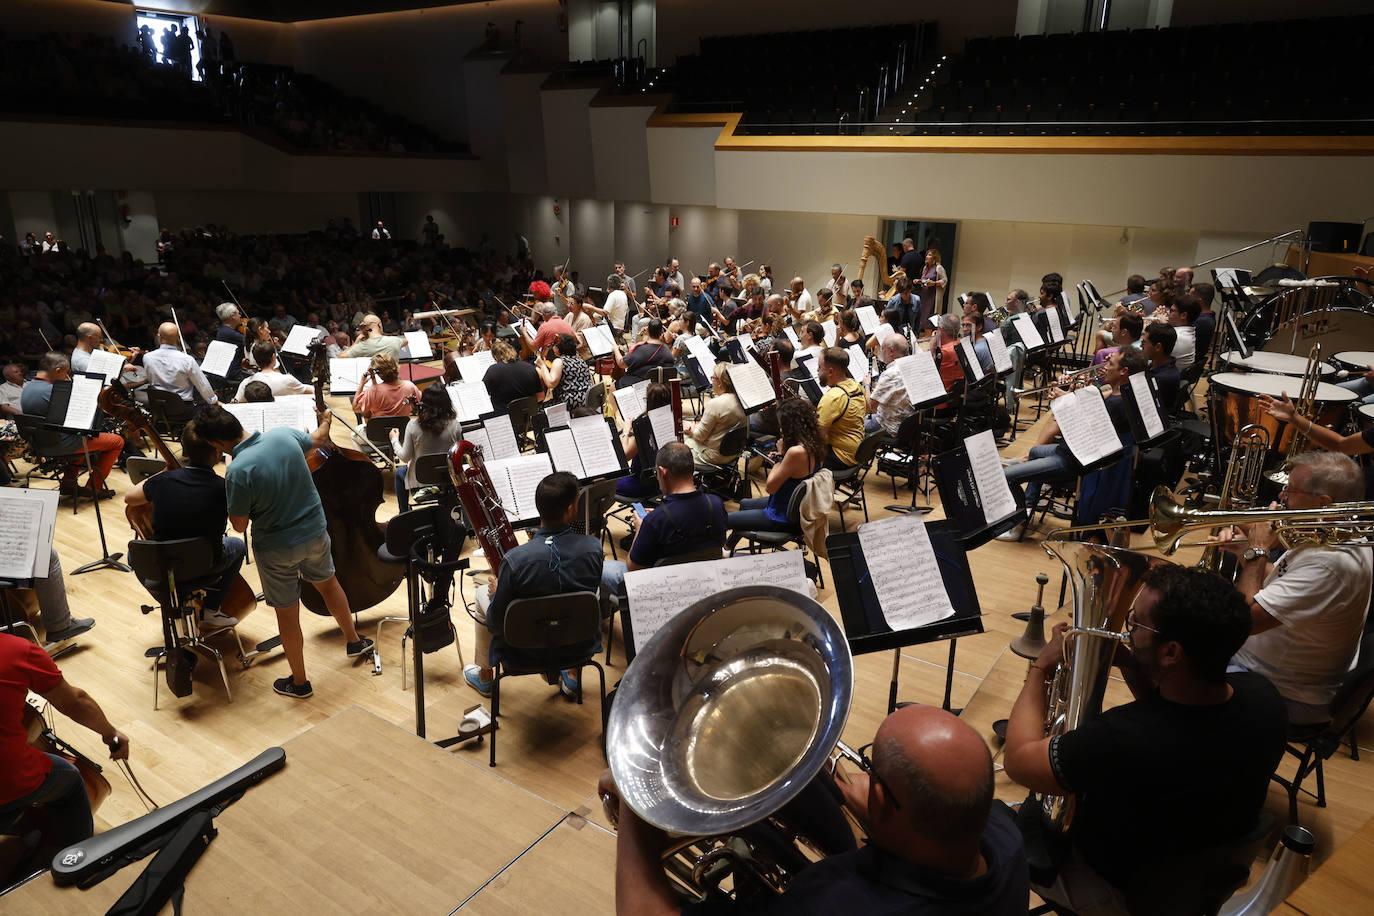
432	431
800	452
567	378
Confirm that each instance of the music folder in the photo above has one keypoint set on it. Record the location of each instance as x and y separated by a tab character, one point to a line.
968	361
1148	421
974	491
74	405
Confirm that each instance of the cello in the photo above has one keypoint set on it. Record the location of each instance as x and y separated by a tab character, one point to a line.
350	488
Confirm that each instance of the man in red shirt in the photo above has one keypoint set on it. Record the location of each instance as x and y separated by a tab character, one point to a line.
29	776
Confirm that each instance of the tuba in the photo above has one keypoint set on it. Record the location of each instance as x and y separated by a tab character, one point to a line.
725	715
1105	583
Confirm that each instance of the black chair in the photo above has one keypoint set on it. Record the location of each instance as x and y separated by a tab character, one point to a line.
378	434
548	634
520	410
49	457
778	540
402	533
431	471
596	401
1313	744
170	413
849	483
140	468
593	502
898	456
1198	881
725	479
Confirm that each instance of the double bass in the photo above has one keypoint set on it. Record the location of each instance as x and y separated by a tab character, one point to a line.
350	488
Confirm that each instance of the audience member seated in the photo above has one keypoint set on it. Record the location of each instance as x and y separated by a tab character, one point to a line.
432	431
800	453
722	414
277	382
388	395
509	378
104	447
556	560
841	410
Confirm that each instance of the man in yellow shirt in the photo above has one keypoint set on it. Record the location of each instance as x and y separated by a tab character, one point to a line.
841	410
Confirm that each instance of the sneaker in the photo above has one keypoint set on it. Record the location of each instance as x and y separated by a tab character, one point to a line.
473	675
75	627
1014	534
361	647
287	687
217	620
568	686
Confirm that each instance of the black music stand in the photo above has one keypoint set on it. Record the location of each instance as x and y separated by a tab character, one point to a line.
964	503
867	630
56	420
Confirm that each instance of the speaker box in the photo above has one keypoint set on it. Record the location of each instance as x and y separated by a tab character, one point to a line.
1339	237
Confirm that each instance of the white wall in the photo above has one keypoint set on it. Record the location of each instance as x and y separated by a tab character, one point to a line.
568	141
140	235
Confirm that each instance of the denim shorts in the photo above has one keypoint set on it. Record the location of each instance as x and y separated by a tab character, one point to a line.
281	569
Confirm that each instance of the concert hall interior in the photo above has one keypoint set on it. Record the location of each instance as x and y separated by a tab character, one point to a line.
755	340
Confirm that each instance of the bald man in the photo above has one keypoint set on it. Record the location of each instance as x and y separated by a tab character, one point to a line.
372	341
936	843
87	339
172	370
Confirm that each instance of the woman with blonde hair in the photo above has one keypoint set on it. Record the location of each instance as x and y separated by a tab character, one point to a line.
932	282
509	378
382	392
722	414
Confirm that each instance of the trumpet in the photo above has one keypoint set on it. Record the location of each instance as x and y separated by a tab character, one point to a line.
1078	377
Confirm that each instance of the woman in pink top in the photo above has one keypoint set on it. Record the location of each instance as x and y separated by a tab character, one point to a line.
386	395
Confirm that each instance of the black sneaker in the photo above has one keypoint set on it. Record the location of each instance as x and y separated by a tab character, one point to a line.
75	628
287	687
361	647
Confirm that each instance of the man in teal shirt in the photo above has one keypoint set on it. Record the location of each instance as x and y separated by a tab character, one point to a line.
269	482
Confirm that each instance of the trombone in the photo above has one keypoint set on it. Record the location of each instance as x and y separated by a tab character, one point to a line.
1073	379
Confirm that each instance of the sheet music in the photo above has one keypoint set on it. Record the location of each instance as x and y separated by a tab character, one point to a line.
474	368
292	411
882	332
905	573
702	351
599	340
1056	329
557	415
858	364
921	378
753	387
501	436
525	474
20	527
248	415
417	342
1145	403
595	446
1086	425
997	346
346	373
1027	331
661	422
746	341
563	452
219	358
792	336
828	327
971	358
499	472
298	340
993	491
106	364
83	403
1226	276
868	318
630	403
47	501
782	568
470	399
806	362
478	437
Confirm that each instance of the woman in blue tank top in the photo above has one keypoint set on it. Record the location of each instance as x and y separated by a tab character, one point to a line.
801	451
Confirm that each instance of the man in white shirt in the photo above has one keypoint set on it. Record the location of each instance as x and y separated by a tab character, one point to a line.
1307	610
1181	316
11	390
265	355
888	404
169	369
87	339
675	274
803	301
381	233
617	303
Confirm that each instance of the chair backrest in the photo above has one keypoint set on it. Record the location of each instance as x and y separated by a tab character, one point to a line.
796	499
594	501
553	621
908	431
596	397
185	558
432	470
402	530
863	455
733	442
168	402
704	553
379	428
140	468
47	443
520	411
1355	693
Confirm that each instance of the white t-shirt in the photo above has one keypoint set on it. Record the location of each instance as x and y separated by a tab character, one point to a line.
1185	347
1319	596
813	365
10	394
280	383
617	304
806	302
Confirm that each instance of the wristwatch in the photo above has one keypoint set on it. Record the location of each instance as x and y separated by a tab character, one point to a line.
1254	553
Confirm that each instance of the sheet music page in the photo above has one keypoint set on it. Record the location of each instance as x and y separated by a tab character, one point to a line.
882	332
83	403
525	474
971	355
792	336
47	501
1056	329
661	422
557	415
1226	276
501	435
997	346
106	364
782	568
905	573
478	437
702	351
1086	425
346	373
295	411
657	595
470	399
473	368
298	340
868	318
563	452
828	327
629	402
219	358
1145	403
643	389
499	472
248	415
858	364
417	342
595	446
746	341
20	525
921	377
1027	331
991	480
753	387
599	340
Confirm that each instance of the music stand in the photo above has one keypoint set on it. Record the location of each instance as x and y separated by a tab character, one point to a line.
963	501
867	630
57	419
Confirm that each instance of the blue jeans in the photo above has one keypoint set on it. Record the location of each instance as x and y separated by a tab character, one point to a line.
872	424
1048	463
402	494
226	570
613	578
1361	387
64	795
752	516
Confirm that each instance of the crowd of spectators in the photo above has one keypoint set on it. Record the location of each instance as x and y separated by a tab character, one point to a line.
92	76
329	278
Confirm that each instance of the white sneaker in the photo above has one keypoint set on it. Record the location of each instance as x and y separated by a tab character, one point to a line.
1014	534
217	621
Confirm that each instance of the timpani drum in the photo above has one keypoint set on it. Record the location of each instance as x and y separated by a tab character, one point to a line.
1272	363
1235	402
1356	362
1364	415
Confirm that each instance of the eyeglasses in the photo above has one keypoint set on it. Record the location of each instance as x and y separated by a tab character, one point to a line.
1298	492
1132	624
873	774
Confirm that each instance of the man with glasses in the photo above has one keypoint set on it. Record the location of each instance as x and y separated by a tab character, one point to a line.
937	843
1181	316
1308	607
1182	768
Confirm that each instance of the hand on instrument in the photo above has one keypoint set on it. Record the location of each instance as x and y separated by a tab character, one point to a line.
325	416
1283	410
1369	374
609	794
1058	392
118	743
853	789
1053	653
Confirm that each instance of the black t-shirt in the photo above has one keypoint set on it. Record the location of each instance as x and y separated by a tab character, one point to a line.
1166	383
1203	329
648	355
1156	778
188	502
872	882
914	263
507	382
683	523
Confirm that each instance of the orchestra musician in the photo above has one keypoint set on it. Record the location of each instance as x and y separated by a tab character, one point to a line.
722	413
370	340
265	356
510	378
636	484
656	352
617	300
171	369
88	338
800	301
105	448
800	451
565	376
433	430
933	281
382	392
888	402
230	331
562	290
836	284
841	410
